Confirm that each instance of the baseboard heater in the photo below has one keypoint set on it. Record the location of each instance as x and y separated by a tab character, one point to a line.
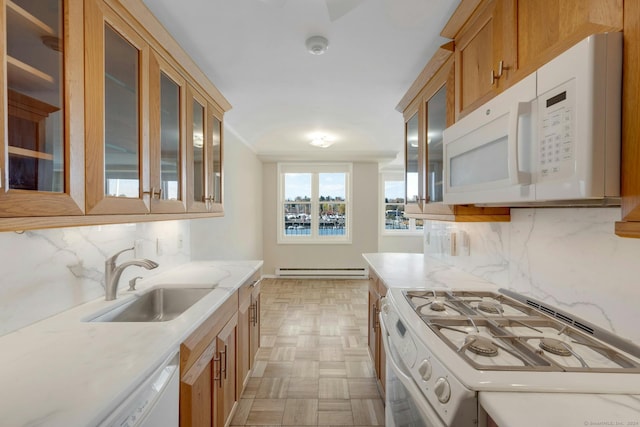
350	273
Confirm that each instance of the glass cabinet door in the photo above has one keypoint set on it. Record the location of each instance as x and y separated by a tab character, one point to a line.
436	123
197	154
42	42
167	115
215	174
116	61
412	164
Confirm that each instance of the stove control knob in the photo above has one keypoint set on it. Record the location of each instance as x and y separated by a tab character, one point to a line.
442	390
385	305
425	370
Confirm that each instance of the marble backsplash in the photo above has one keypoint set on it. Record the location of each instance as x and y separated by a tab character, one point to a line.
568	257
45	272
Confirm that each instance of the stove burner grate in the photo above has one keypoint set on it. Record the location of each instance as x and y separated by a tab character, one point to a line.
481	346
555	346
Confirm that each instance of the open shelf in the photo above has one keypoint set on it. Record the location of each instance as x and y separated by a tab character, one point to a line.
19	16
24	77
23	152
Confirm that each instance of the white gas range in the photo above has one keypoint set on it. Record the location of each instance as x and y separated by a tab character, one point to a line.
446	348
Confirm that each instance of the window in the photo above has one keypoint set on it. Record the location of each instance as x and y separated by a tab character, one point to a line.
314	203
393	220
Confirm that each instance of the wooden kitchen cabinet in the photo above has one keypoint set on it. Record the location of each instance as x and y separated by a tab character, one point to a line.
630	224
377	290
523	35
208	369
42	120
227	393
117	114
485	54
204	154
167	134
248	329
96	117
428	108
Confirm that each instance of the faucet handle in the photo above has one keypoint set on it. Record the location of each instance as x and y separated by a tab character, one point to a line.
132	283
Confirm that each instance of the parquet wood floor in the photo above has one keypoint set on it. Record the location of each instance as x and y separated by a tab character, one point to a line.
313	367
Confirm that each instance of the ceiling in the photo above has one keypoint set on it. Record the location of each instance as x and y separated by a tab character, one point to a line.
254	52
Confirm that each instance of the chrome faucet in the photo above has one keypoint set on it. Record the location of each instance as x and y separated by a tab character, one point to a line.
112	273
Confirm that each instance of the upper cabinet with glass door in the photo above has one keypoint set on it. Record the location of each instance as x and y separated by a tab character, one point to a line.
105	118
204	154
117	61
427	114
167	130
42	156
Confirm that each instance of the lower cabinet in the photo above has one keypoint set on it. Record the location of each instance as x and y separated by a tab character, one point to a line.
248	329
208	369
377	290
216	359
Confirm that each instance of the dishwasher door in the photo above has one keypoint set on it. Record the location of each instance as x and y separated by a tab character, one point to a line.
153	404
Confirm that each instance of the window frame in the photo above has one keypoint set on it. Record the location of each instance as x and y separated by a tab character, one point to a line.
315	169
412	230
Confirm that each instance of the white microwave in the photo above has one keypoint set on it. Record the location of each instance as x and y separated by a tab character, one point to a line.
553	137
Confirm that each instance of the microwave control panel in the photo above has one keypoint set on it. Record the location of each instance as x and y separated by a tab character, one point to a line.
556	131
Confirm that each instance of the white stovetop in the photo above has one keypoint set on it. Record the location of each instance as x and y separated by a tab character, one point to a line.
508	408
66	372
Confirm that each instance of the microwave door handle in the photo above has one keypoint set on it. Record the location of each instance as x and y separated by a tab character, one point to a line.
517	177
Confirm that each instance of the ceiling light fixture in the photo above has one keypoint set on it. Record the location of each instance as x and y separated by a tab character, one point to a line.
321	141
317	45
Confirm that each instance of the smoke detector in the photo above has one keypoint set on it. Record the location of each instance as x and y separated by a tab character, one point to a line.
317	45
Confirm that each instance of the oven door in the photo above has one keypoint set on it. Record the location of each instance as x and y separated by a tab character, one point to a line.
406	406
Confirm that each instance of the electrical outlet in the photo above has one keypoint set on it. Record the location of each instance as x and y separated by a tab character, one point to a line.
160	246
138	245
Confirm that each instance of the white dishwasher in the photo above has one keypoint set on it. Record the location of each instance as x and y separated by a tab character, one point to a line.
154	403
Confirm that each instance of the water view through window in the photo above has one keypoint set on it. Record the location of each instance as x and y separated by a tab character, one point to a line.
315	201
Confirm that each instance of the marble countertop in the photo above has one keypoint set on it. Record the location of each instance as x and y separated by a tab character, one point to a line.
405	270
408	270
562	409
65	371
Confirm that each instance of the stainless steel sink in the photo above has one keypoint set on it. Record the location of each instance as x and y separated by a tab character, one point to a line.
157	305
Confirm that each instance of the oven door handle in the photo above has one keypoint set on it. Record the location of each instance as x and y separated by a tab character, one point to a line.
390	356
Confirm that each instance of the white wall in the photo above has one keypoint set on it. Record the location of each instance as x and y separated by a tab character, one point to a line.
365	226
569	258
237	236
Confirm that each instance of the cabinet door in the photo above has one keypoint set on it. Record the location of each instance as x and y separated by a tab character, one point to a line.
413	163
117	61
226	342
245	319
254	334
214	164
436	121
548	27
373	335
41	162
197	390
485	54
167	117
196	152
